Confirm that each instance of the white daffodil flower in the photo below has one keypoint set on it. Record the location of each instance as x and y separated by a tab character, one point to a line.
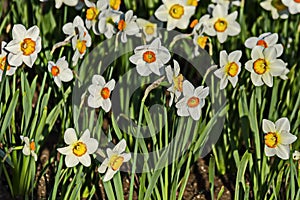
115	159
265	40
60	71
150	58
193	100
230	68
29	147
80	43
149	29
293	6
296	155
25	46
74	29
78	150
3	57
92	13
278	138
277	8
107	21
100	92
222	24
176	13
176	79
127	25
264	65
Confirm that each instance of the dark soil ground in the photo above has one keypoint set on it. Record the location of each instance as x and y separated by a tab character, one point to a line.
198	186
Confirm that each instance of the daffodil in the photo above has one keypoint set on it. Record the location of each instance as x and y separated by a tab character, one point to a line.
127	25
107	20
278	138
150	58
264	65
176	13
78	150
296	155
230	68
92	14
100	92
265	40
293	6
277	8
3	63
193	100
115	159
25	46
222	24
149	29
60	71
80	44
176	79
75	29
29	147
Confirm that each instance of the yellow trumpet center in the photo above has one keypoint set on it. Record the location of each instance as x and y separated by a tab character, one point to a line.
220	25
193	102
121	25
149	29
260	66
32	146
178	82
2	64
116	161
92	13
115	4
176	11
202	41
192	2
79	148
27	46
105	93
272	139
55	70
232	69
262	43
149	57
81	46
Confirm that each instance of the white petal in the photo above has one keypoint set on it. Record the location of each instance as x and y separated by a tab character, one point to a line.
270	53
283	151
92	145
223	83
271	39
251	42
268	79
269	151
222	37
235	56
201	92
126	156
18	32
26	150
99	80
33	33
223	58
162	13
70	136
106	105
66	75
65	150
195	112
111	84
57	82
120	147
109	174
268	126
282	124
103	166
256	79
85	136
94	102
94	90
71	160
277	67
15	59
85	160
188	88
29	60
287	138
257	52
234	29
